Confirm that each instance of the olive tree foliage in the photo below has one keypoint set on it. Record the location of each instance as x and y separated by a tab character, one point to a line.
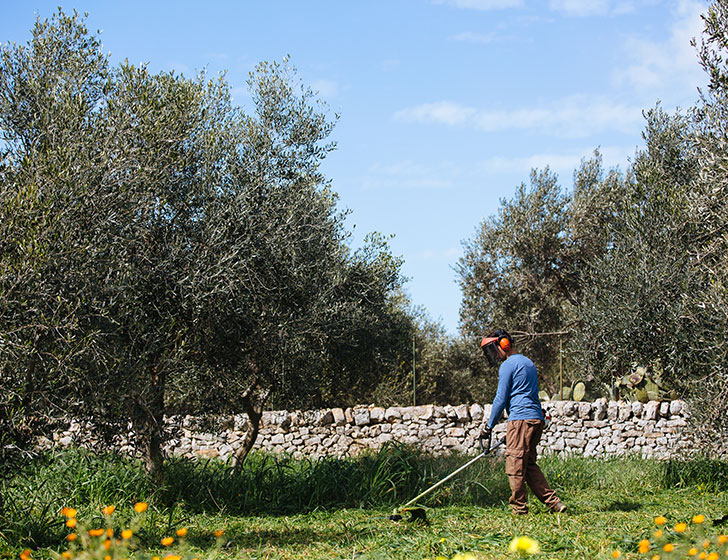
164	251
522	270
709	215
637	302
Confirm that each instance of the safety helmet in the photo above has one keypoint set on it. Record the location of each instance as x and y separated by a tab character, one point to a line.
490	344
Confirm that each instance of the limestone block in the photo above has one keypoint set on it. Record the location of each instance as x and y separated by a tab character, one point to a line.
637	409
449	442
612	410
326	418
349	415
450	412
439	412
361	417
593	433
664	408
376	414
651	410
277	439
428	413
676	407
424	433
476	412
585	410
462	413
600	409
455	432
392	414
625	411
338	416
207	452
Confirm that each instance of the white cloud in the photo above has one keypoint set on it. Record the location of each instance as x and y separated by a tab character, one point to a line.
563	164
580	8
576	116
442	112
479	38
586	8
325	88
667	68
482	4
410	175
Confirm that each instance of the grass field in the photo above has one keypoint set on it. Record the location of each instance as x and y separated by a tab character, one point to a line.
281	508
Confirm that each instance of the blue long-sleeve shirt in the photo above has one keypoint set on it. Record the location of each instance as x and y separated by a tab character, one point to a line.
517	391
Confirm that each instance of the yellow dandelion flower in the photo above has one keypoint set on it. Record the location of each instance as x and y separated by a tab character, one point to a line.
182	532
463	556
25	554
706	543
66	554
524	545
126	534
96	532
644	546
109	532
681	527
616	554
713	556
660	520
155	557
141	507
693	551
669	547
71	537
108	510
173	557
722	539
107	544
68	512
107	557
657	534
167	541
698	519
702	555
71	522
217	533
656	557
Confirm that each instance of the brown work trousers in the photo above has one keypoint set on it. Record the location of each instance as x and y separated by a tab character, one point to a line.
522	437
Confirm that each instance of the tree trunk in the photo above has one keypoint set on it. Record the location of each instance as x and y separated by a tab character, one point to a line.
253	400
151	417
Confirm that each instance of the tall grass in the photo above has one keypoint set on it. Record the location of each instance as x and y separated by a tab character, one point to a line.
280	485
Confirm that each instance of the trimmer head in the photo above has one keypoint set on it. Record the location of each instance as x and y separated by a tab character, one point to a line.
416	514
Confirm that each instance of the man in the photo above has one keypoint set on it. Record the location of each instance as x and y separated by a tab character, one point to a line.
517	394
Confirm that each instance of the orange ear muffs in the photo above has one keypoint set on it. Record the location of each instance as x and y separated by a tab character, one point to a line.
505	344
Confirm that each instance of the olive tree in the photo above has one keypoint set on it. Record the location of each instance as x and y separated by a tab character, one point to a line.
165	251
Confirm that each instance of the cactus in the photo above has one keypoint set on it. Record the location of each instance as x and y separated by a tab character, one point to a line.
579	391
644	383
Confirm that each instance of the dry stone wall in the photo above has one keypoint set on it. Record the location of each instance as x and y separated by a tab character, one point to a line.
595	429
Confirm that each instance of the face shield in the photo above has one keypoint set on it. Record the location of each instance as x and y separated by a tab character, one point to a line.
489	346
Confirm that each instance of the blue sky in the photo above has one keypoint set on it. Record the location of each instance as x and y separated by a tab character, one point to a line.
445	105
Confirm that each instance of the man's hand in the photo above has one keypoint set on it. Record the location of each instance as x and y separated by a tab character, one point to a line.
484	439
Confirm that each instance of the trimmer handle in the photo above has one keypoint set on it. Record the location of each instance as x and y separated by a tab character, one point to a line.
483	447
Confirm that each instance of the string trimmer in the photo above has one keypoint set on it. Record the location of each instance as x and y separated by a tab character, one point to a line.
418	514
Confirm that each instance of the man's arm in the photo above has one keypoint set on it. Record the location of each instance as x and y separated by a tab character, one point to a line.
502	395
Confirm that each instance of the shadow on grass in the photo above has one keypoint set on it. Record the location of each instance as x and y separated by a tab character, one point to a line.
623	505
